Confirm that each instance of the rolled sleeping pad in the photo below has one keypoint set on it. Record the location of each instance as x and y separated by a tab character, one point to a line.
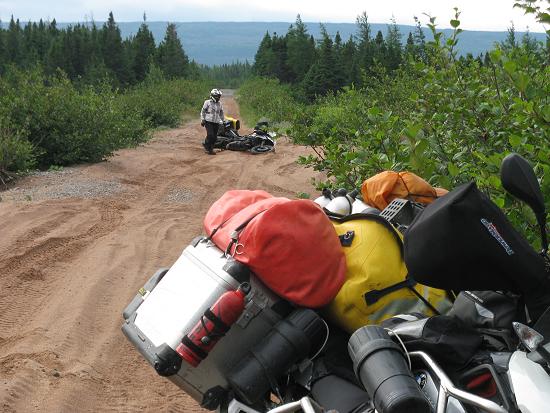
289	341
380	365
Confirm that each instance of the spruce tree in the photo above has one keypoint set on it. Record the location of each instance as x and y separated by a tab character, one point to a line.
113	51
55	57
143	46
2	49
321	76
349	58
380	50
340	78
365	47
14	40
96	71
280	70
300	51
264	60
171	58
420	41
42	40
510	42
394	51
409	45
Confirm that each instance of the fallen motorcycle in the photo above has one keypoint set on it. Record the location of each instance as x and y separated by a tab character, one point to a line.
259	141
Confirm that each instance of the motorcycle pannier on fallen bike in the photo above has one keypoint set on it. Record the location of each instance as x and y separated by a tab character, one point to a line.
180	313
289	244
377	286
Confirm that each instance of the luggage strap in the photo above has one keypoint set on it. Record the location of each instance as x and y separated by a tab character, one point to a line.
373	296
345	239
236	232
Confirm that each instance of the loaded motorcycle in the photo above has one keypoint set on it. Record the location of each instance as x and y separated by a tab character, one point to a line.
268	348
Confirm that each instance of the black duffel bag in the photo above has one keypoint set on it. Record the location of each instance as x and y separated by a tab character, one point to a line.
463	241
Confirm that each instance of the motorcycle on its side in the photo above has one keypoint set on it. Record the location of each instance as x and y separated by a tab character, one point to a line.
510	371
273	358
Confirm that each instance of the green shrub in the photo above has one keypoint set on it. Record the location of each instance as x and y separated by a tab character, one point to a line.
262	98
16	152
163	102
450	121
64	125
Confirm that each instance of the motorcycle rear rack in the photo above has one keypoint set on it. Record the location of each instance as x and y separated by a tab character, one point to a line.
447	388
305	404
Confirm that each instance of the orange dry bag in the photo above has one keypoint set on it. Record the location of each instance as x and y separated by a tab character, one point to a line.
290	245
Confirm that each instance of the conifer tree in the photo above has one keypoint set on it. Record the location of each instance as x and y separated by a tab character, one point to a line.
365	45
55	57
300	50
113	51
42	40
264	60
281	69
409	45
349	58
143	46
321	77
420	41
3	56
171	58
510	42
394	48
96	71
339	62
14	40
379	49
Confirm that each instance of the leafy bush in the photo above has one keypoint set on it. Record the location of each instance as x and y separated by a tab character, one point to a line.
16	152
448	120
66	125
261	98
163	102
61	125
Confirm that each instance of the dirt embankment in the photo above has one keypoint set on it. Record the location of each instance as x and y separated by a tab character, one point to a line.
76	245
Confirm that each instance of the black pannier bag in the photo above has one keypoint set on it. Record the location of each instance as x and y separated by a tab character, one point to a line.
463	241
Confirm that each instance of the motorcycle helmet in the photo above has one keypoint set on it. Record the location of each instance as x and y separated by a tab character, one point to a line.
216	94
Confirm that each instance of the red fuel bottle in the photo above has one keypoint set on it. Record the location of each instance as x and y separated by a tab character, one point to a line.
213	325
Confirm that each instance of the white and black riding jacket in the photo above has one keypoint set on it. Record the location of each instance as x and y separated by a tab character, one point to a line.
212	111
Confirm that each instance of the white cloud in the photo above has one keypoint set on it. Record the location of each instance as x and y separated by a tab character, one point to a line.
476	14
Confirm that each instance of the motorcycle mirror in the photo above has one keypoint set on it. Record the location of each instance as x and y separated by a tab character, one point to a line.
518	178
529	338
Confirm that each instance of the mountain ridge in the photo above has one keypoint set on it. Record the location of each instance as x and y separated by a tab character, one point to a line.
216	43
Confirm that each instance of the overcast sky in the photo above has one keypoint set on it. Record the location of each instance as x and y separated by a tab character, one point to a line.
476	14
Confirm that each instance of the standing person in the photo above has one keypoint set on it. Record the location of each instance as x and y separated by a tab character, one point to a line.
211	117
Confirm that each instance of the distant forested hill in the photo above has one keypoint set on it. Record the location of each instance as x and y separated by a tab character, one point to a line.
213	43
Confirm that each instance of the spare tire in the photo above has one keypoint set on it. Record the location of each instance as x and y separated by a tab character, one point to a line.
261	149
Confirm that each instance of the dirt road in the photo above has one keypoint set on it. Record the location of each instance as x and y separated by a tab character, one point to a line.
76	245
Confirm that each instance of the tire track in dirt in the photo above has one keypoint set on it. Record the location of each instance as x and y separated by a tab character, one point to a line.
71	266
26	275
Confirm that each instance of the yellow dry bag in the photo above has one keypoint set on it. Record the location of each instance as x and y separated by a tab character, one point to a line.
377	286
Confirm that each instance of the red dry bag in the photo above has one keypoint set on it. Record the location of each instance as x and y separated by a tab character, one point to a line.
289	244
